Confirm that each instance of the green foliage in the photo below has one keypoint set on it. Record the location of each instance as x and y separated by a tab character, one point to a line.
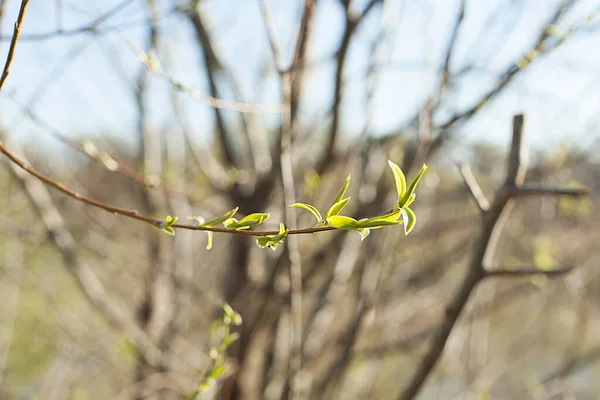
213	222
312	209
246	222
272	241
166	226
406	196
338	205
223	329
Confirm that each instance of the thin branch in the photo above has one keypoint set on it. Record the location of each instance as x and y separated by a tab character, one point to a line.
449	52
539	190
482	255
536	52
352	22
91	27
134	214
89	284
289	193
474	188
524	272
153	65
13	42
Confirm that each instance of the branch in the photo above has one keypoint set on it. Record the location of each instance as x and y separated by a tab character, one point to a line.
482	254
349	29
516	273
88	28
13	42
450	51
533	54
89	284
474	188
134	214
539	190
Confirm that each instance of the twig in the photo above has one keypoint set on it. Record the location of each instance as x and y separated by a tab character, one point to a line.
88	281
524	272
474	188
449	52
136	214
287	177
481	257
539	190
13	42
91	27
352	22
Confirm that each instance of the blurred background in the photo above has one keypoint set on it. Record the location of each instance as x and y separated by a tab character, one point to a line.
174	107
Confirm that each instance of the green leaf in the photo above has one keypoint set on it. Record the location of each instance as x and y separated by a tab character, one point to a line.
400	180
166	225
272	241
232	337
337	207
343	191
209	240
218	220
217	371
246	222
381	220
254	219
413	186
313	210
409	219
342	222
229	312
364	232
233	223
410	200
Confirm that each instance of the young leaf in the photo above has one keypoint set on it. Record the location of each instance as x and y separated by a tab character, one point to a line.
409	219
254	219
231	314
413	186
410	200
246	222
343	191
400	180
209	240
313	210
337	208
233	223
166	225
272	241
381	220
342	222
364	232
218	220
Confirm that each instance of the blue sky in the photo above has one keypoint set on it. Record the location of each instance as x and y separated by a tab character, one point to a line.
81	84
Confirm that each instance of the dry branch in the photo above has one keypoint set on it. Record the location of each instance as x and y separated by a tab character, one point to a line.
481	257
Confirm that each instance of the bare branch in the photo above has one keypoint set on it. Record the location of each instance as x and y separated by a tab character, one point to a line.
352	23
92	27
449	52
539	190
524	272
474	188
482	254
13	42
135	214
88	282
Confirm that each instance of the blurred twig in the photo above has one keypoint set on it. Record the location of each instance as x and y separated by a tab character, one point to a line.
481	258
13	42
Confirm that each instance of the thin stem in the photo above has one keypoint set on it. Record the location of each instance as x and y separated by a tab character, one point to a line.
524	272
13	42
136	214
